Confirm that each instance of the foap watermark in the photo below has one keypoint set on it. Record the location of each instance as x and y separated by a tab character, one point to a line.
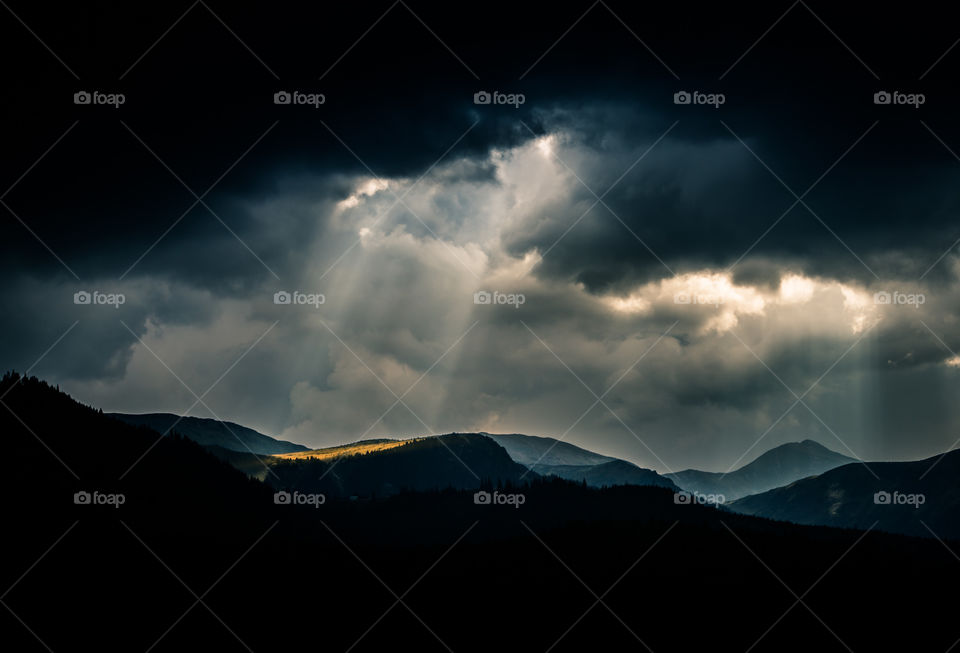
707	299
896	97
499	298
297	298
296	498
98	98
511	99
697	97
684	498
299	98
895	498
95	498
495	498
97	298
896	298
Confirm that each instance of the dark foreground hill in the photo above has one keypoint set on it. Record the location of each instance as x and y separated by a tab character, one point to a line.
198	555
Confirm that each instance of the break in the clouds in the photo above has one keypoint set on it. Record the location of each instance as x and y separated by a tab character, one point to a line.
640	310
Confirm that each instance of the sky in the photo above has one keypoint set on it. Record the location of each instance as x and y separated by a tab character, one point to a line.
678	284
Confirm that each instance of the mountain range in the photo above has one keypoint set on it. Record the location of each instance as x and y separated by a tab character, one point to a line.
253	453
800	482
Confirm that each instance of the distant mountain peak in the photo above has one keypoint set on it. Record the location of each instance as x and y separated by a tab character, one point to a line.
776	467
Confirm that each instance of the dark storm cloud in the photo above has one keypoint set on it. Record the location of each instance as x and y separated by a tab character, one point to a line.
399	100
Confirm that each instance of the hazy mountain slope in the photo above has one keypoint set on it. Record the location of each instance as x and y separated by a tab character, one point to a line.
775	468
608	474
549	456
846	497
530	449
211	432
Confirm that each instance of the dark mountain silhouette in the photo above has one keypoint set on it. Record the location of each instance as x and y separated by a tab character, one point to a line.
477	577
211	432
848	497
775	468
